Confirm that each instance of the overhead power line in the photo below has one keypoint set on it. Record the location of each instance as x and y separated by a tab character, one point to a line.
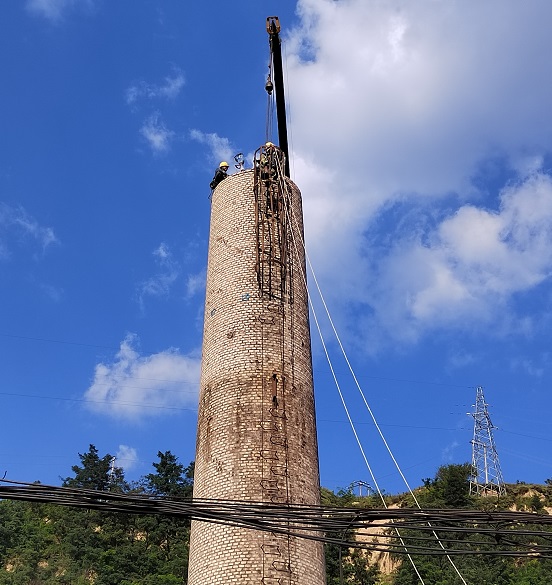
514	534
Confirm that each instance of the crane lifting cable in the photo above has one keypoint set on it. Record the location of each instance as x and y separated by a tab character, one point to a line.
269	87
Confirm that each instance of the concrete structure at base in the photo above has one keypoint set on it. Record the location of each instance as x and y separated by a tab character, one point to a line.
256	437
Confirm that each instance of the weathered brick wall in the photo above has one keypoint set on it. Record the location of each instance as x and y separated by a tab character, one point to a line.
256	437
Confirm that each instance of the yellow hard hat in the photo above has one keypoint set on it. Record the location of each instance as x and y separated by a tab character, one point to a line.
224	164
269	144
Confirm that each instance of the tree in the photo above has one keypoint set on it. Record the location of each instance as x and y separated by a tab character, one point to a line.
353	566
172	478
536	504
96	473
47	544
452	485
361	571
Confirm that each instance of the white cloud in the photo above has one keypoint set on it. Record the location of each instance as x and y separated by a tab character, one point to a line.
468	268
220	147
126	457
17	228
157	135
163	252
460	359
160	284
54	9
169	271
448	452
196	283
396	109
52	292
393	88
134	387
535	366
170	88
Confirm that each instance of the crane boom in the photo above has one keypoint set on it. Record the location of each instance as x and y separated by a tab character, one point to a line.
273	29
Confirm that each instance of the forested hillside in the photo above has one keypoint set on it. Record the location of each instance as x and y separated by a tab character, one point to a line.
449	489
43	544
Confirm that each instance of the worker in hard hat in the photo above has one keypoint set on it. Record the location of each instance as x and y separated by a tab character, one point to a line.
220	174
269	162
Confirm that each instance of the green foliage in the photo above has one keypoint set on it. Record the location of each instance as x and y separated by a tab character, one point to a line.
362	571
534	572
475	569
352	567
171	478
96	473
450	488
45	544
536	504
49	544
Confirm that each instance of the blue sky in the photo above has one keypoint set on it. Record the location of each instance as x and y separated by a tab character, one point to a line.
421	140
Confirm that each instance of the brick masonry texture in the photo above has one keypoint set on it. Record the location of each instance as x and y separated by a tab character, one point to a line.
256	438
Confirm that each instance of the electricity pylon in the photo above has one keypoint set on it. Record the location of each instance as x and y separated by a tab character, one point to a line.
361	484
486	477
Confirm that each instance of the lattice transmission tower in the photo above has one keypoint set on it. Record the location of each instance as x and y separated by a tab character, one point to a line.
486	477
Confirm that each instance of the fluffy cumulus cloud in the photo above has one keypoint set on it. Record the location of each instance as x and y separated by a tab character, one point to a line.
133	386
470	266
54	10
420	135
18	228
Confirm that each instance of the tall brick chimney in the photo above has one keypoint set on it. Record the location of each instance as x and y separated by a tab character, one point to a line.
256	436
